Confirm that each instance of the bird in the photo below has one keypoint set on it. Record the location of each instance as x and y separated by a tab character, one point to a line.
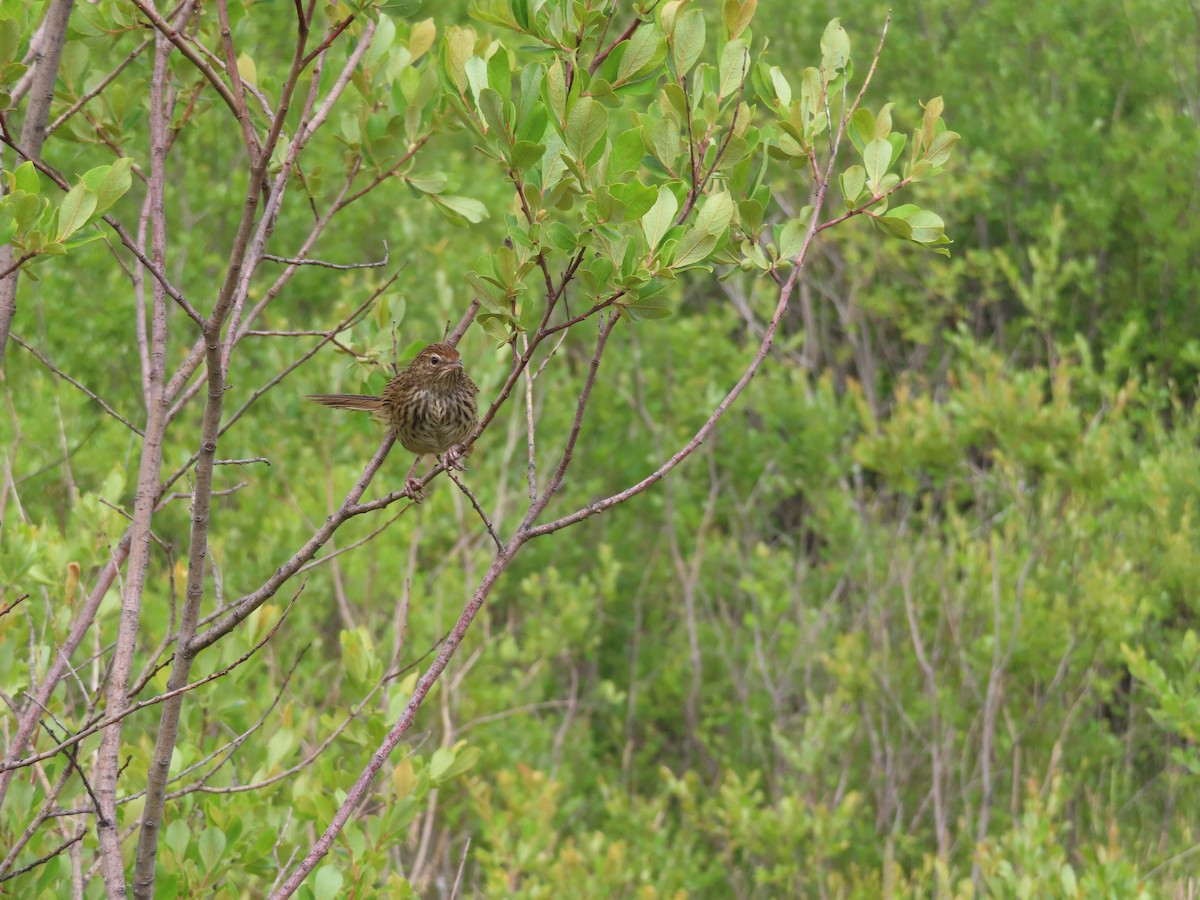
429	406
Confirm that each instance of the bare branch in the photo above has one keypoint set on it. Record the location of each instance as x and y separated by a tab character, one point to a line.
329	265
67	378
487	523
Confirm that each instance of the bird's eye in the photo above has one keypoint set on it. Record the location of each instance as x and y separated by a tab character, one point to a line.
435	360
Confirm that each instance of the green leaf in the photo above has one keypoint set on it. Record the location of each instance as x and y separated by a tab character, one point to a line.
110	183
586	125
420	38
737	15
327	883
876	157
735	57
460	45
460	761
895	226
715	215
656	222
499	72
939	149
933	112
525	154
783	90
491	105
178	836
556	90
687	40
381	43
640	51
637	197
76	208
476	72
835	48
695	245
560	236
791	238
471	210
429	183
212	846
627	152
927	226
853	180
25	178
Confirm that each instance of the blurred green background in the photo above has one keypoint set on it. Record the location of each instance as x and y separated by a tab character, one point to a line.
919	618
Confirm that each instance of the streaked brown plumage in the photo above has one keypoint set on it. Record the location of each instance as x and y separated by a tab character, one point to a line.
430	406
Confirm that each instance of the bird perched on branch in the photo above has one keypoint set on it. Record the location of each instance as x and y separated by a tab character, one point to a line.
430	407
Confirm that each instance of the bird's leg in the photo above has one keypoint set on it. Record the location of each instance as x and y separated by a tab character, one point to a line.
412	484
454	458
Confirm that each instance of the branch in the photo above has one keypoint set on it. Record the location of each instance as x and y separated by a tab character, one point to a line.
328	265
41	861
43	74
616	42
104	82
67	378
108	721
487	523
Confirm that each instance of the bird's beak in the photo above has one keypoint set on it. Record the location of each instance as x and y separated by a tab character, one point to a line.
457	364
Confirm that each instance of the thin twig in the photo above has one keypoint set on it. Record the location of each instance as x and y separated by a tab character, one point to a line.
41	861
487	523
328	265
11	606
152	701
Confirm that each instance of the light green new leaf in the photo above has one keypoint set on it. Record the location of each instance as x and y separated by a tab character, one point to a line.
783	90
876	157
835	48
25	178
109	183
656	222
688	41
476	72
327	883
735	57
381	43
212	846
76	208
460	762
178	835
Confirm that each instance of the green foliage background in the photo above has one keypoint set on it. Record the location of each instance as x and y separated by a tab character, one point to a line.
958	488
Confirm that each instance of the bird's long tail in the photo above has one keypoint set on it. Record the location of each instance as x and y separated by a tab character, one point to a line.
348	401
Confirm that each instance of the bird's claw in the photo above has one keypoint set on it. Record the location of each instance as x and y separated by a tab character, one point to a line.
416	490
453	458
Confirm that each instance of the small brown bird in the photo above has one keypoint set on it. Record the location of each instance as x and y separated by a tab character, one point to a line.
430	406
